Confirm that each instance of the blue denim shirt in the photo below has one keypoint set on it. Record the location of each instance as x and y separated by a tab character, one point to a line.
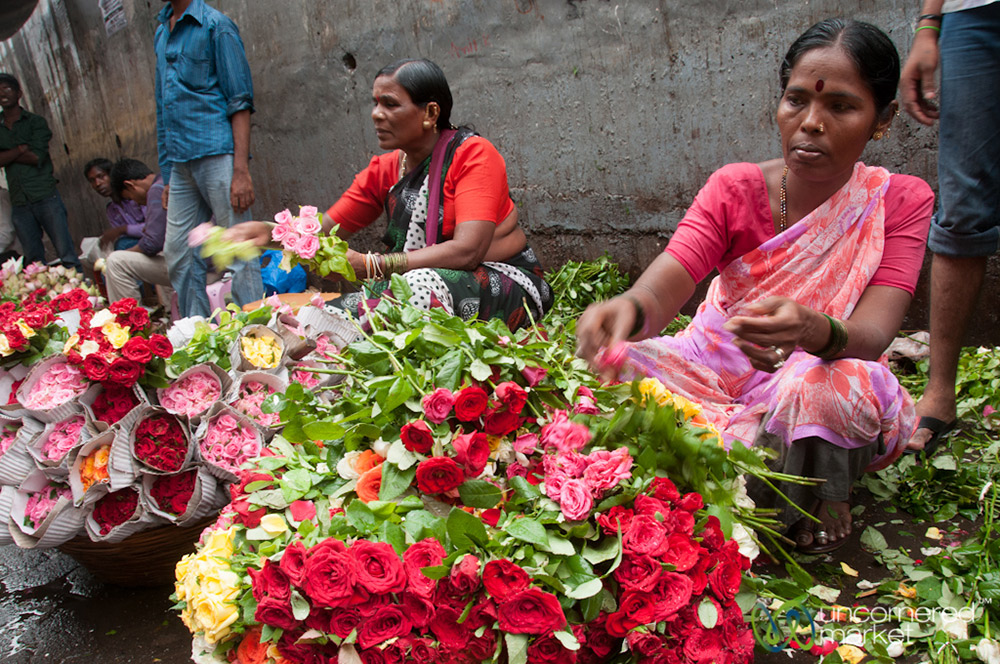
202	78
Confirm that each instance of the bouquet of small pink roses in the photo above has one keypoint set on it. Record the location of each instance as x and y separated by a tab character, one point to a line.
303	242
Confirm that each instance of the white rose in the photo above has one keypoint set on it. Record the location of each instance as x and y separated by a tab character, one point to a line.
743	537
988	650
345	467
953	626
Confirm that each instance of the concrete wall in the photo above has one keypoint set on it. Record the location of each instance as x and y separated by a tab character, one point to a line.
610	114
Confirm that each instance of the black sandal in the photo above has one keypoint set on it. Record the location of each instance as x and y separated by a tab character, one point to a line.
939	431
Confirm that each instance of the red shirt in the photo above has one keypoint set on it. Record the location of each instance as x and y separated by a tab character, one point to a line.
475	188
731	215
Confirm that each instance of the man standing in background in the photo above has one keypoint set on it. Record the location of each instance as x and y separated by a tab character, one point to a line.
24	156
204	97
963	37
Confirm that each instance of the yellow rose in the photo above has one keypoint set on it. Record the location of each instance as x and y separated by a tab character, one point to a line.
653	388
115	334
213	616
219	543
685	406
273	524
851	654
5	346
26	329
72	341
262	352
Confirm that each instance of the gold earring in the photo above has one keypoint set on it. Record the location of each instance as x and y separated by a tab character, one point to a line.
878	135
427	124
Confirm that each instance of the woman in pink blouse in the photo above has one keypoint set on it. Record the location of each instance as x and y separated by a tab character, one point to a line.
818	256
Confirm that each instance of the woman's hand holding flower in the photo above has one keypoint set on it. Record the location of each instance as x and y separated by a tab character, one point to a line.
770	330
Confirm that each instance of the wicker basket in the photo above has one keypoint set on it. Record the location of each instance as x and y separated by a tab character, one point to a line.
146	559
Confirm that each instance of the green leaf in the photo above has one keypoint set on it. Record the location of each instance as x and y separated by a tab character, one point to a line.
873	541
449	372
360	516
421	524
465	530
400	391
524	489
300	606
604	549
395	481
479	370
567	639
559	546
584	590
528	530
479	494
394	535
298	480
517	648
323	430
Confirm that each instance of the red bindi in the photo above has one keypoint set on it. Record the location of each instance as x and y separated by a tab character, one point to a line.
819	85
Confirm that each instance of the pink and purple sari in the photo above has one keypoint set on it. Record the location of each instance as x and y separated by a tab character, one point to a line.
825	262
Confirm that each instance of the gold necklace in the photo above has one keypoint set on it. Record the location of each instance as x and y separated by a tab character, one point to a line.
783	200
402	166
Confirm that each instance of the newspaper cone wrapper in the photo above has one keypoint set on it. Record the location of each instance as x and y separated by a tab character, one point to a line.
61	525
97	489
88	398
211	369
205	499
56	414
127	439
140	520
16	464
241	363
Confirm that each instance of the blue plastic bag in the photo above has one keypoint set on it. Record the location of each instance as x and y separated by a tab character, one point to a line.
277	280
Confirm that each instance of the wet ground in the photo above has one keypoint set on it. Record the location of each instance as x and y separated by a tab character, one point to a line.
53	611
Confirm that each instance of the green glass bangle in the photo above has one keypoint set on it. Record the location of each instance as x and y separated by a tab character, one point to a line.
837	343
928	27
640	315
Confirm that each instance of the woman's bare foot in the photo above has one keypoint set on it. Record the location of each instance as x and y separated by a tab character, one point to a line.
830	533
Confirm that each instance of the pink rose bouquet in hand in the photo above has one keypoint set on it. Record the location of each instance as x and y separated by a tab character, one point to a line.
303	242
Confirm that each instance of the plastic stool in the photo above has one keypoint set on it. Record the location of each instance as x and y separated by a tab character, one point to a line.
216	292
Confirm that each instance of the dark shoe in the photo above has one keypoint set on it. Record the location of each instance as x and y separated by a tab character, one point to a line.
939	431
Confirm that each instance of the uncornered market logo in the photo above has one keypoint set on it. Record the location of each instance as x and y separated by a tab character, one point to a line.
776	632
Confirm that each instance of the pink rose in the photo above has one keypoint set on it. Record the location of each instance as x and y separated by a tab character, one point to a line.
606	469
284	218
307	246
533	375
302	510
307	225
472	451
575	500
564	435
526	444
309	211
586	404
437	405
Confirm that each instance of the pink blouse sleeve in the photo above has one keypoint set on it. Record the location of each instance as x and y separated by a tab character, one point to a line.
909	203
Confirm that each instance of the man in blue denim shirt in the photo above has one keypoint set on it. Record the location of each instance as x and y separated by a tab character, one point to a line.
204	97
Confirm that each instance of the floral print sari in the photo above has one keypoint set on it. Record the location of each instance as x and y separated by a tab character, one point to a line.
825	262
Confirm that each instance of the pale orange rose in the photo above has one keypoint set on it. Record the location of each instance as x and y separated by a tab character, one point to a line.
369	483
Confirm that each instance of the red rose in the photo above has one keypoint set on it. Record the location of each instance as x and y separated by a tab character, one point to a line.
482	648
691	502
502	578
137	349
724	580
172	493
674	591
247	516
600	644
501	422
15	338
703	645
423	652
531	611
470	403
472	450
343	621
293	562
639	606
418	609
329	578
276	613
417	437
682	552
533	375
372	656
491	517
548	650
160	346
124	372
388	623
619	623
615	519
425	553
95	368
437	405
464	575
645	535
638	572
663	489
512	396
123	306
372	604
445	626
438	475
138	319
378	568
646	645
271	581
